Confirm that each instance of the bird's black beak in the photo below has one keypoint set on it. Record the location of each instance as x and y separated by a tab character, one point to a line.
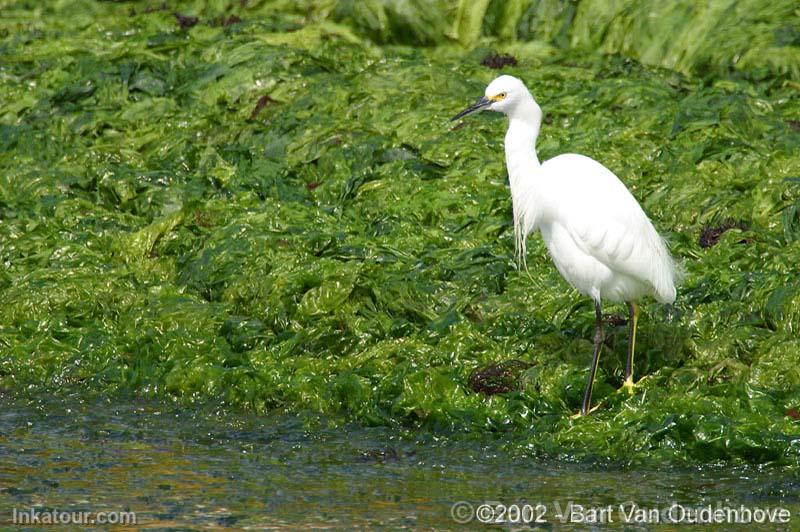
478	106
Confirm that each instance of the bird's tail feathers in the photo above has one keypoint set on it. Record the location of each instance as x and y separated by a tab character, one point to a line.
667	274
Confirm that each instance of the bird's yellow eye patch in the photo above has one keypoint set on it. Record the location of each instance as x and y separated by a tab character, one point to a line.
498	97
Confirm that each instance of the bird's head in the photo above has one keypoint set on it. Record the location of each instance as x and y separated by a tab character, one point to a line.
503	95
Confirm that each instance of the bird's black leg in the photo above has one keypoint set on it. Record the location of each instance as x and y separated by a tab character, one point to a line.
599	336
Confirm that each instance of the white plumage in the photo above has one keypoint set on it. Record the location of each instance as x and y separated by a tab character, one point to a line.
600	240
598	236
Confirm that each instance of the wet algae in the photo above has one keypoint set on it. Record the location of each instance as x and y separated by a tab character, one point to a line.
269	208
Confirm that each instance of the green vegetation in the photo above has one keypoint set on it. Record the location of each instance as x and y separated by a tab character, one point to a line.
272	210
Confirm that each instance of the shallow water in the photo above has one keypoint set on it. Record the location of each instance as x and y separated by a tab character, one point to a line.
179	467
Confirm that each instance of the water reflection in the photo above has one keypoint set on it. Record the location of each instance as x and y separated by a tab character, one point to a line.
189	467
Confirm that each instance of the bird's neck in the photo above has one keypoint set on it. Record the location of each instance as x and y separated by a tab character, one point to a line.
523	165
520	142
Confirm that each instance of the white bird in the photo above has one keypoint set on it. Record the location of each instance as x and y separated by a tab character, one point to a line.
598	236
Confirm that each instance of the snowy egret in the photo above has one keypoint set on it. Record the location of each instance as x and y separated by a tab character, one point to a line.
598	236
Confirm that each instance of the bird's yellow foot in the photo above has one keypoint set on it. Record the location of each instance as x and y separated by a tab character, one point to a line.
630	386
581	414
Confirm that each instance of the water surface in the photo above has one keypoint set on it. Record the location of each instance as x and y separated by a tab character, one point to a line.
197	467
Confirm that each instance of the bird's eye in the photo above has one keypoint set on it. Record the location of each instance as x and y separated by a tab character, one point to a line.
502	96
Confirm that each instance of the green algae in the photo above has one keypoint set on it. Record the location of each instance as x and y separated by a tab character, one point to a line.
276	213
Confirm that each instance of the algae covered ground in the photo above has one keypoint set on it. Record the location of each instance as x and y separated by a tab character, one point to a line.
266	205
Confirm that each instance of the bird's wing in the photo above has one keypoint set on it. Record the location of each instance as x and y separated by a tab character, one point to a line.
606	221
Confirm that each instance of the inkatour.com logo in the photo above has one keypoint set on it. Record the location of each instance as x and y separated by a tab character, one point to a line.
34	516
